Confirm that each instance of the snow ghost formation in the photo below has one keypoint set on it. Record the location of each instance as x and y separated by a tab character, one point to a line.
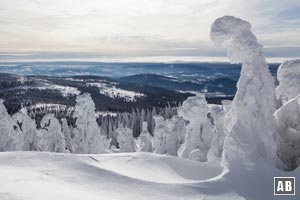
145	139
288	75
250	130
50	136
287	121
87	134
125	139
27	139
198	131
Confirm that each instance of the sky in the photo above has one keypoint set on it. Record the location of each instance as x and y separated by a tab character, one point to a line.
95	29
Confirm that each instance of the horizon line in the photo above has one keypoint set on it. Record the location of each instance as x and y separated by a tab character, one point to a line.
143	59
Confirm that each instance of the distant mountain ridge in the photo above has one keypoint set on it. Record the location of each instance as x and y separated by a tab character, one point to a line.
213	87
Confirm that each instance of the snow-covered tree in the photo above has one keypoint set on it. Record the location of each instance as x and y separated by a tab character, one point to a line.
125	139
159	135
27	138
287	121
250	121
50	137
199	130
176	130
67	135
179	127
7	130
216	147
87	135
145	139
288	75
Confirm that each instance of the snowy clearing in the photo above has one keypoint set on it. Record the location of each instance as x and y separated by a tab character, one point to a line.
64	90
112	91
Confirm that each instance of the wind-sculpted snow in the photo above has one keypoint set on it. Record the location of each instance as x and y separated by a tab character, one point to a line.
288	75
249	123
287	120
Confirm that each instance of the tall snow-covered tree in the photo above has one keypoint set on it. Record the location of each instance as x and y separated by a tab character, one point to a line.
87	134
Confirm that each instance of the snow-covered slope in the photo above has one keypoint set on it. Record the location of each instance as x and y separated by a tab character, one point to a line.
49	176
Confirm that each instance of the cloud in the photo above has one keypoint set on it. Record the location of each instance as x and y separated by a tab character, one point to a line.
140	27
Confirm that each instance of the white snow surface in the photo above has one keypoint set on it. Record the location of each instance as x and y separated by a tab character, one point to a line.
127	176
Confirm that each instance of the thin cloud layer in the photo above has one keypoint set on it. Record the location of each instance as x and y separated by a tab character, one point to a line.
142	27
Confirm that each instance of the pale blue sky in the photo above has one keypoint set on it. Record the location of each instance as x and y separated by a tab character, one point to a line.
91	29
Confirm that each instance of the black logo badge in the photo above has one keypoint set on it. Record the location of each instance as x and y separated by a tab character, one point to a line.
284	185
